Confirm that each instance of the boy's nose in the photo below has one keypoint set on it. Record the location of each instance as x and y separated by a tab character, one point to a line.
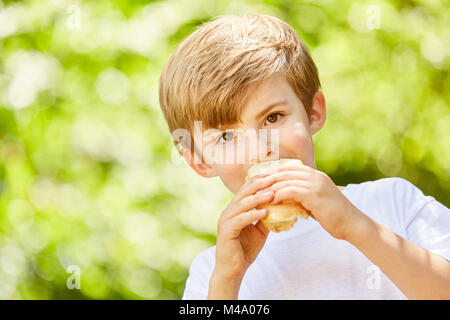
267	157
264	146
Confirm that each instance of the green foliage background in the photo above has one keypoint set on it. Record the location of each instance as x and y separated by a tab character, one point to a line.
88	174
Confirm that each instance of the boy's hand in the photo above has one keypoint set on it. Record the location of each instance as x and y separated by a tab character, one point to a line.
317	193
238	240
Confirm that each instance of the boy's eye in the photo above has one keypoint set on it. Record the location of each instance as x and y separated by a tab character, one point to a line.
226	136
273	117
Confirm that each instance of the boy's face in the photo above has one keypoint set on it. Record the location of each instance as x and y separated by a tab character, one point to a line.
288	119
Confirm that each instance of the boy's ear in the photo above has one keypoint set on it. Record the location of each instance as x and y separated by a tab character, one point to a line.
318	112
201	168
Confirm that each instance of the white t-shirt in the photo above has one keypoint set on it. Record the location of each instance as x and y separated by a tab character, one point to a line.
307	263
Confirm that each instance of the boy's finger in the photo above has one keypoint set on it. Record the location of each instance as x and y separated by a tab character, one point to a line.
252	202
295	193
286	183
241	221
290	175
254	184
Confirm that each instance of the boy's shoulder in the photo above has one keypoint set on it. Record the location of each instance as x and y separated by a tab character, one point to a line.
393	191
391	201
393	186
389	181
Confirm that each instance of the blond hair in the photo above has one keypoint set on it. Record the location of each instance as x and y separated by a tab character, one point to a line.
210	74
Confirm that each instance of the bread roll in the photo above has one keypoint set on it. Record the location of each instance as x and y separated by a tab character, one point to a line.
282	216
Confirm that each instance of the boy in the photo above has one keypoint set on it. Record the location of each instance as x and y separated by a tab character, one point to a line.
380	239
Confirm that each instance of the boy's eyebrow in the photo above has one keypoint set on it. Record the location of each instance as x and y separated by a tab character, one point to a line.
270	106
258	115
